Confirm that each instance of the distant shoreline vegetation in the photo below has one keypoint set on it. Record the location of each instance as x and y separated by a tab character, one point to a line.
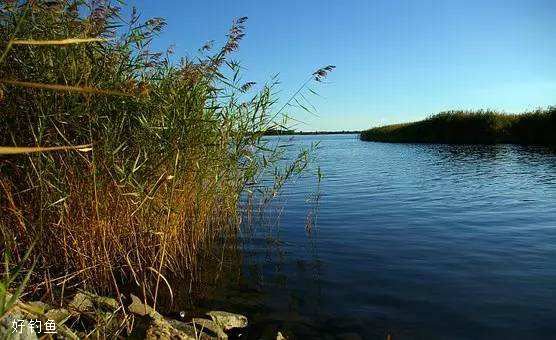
472	127
277	132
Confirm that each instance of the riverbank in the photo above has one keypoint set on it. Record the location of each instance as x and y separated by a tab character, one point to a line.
472	127
88	315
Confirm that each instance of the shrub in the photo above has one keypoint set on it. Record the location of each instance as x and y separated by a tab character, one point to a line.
472	127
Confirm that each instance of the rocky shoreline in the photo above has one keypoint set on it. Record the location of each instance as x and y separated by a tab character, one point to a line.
88	315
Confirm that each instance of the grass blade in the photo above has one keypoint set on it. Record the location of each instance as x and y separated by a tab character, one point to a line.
14	150
68	88
58	42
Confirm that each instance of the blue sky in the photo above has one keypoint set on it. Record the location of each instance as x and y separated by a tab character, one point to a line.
397	60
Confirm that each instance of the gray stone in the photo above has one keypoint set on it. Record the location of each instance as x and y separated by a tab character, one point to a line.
190	329
139	308
103	302
39	307
81	303
228	320
158	328
211	326
86	302
7	332
164	331
58	315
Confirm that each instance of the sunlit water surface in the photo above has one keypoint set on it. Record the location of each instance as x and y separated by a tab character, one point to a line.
412	240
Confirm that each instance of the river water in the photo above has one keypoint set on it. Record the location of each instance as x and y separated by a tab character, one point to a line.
411	241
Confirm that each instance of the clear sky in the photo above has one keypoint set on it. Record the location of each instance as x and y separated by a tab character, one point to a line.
397	60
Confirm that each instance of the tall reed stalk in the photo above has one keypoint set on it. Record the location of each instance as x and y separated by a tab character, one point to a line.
125	167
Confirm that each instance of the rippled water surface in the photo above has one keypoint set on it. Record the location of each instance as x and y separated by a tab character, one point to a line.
415	241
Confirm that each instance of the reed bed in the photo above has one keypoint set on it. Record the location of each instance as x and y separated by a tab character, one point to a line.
472	127
123	168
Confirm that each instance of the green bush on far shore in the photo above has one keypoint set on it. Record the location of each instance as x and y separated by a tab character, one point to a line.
472	127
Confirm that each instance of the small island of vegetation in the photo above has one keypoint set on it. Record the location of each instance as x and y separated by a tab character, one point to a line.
472	127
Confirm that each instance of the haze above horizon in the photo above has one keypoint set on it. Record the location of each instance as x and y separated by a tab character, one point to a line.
396	61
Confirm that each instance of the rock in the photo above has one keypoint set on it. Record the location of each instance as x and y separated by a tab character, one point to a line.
228	320
27	312
58	315
81	303
108	322
102	314
189	329
103	302
158	328
39	307
17	315
138	307
182	326
279	336
86	302
164	331
202	324
99	311
7	332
